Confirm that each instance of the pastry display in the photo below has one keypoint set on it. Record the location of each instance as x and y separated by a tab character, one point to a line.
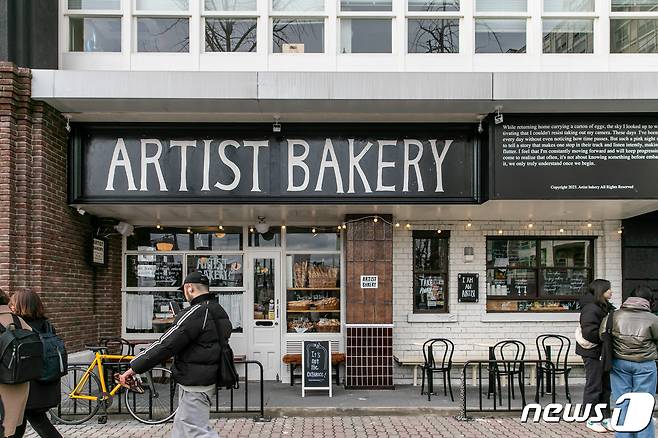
299	305
331	303
328	325
300	326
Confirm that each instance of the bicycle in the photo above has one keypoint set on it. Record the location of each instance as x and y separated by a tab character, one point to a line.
83	397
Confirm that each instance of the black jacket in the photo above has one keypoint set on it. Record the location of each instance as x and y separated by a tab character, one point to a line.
43	396
193	342
591	315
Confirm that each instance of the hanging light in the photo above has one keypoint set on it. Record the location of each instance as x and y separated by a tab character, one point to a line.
314	231
408	226
165	244
397	225
189	230
469	225
283	227
589	225
376	219
438	231
221	228
530	225
251	229
158	226
344	226
500	231
620	231
339	228
561	230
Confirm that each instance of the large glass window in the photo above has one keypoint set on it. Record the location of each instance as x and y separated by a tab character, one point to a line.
95	34
366	5
313	280
298	35
230	5
634	35
162	5
105	5
231	34
430	271
160	34
500	35
501	5
156	261
537	274
298	5
568	5
634	5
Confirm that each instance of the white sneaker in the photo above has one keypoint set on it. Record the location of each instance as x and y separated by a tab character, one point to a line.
596	426
606	423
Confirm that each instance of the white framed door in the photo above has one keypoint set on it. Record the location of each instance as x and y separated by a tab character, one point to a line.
264	301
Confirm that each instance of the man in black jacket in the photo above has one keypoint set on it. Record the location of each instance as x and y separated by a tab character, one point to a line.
193	342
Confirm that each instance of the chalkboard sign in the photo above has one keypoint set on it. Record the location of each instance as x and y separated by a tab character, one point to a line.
467	288
153	270
316	366
564	282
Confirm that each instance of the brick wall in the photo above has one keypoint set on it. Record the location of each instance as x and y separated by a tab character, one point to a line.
468	324
44	243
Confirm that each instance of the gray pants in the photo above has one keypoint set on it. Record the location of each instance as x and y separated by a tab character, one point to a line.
193	415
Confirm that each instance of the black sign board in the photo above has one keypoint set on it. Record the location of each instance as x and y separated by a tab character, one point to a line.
467	288
238	163
575	157
316	366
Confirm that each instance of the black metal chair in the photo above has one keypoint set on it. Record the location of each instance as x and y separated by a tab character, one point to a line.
507	352
117	346
554	349
438	359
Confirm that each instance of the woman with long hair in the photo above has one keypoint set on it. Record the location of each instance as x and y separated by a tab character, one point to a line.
595	305
13	397
43	396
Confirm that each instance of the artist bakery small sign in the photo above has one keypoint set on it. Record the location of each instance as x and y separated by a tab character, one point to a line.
369	281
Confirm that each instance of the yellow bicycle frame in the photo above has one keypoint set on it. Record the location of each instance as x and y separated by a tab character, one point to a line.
98	363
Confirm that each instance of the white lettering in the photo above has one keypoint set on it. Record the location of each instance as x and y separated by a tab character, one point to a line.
230	164
354	164
206	166
297	161
412	162
255	187
577	414
183	144
638	411
381	165
155	161
329	163
124	161
552	412
438	160
526	412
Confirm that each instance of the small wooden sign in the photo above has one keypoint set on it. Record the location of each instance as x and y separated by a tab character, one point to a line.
316	366
467	288
99	251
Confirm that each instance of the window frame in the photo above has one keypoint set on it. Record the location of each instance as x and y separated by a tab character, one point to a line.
91	13
273	15
431	234
593	16
365	15
136	14
538	268
629	16
239	15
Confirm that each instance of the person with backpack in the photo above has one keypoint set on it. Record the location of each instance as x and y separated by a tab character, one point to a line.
14	396
198	341
595	305
44	393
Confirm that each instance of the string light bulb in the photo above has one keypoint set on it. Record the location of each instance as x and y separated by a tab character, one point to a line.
620	230
589	225
376	219
189	230
469	225
397	225
344	226
221	227
314	231
408	226
561	230
500	231
530	225
438	231
339	228
283	227
158	226
251	229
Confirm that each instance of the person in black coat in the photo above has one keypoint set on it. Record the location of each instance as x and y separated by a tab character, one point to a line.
595	305
43	396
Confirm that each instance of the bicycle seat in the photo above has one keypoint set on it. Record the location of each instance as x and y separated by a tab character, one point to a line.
96	348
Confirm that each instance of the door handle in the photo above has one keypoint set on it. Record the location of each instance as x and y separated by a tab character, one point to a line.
277	309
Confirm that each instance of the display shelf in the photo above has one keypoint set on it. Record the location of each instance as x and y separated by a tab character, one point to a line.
313	311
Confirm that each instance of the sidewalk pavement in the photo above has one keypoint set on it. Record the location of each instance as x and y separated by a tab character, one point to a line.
343	427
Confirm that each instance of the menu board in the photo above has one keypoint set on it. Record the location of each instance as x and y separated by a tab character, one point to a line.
467	288
154	270
430	290
316	366
564	282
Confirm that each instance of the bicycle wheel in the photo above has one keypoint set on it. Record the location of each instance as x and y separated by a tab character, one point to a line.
159	402
76	411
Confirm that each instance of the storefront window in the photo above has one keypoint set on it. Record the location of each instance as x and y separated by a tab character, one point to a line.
178	239
537	274
430	282
313	293
270	239
154	270
221	270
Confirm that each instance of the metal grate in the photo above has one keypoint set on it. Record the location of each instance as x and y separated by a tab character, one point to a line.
369	361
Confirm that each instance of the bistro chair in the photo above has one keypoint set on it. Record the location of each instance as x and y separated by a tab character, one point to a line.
438	359
116	346
504	351
554	349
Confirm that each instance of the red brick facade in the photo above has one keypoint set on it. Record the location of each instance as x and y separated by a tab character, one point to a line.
44	243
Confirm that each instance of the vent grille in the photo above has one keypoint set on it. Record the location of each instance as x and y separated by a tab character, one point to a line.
295	347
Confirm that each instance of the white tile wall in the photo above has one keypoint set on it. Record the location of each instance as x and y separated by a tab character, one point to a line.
469	324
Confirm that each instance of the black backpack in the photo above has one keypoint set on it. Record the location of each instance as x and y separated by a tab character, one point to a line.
55	359
227	375
21	354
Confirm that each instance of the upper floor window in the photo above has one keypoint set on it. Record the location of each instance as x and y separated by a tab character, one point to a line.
568	26
634	26
230	25
92	27
298	26
158	33
366	26
435	29
500	26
